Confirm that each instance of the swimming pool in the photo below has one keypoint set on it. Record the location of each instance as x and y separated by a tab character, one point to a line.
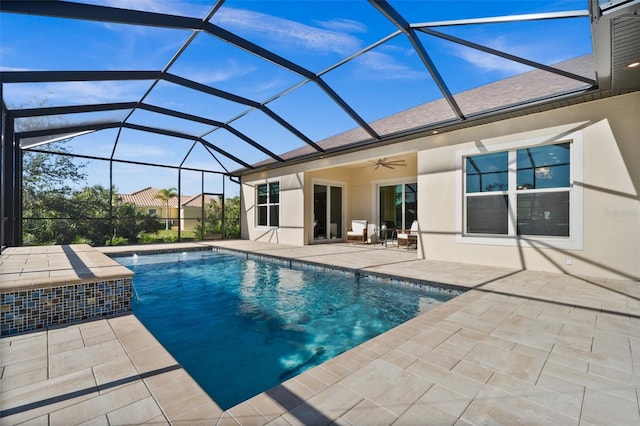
241	326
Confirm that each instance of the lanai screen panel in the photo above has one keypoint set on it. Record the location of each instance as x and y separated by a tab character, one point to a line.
255	81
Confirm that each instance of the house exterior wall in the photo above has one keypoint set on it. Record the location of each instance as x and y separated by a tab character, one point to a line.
161	212
609	243
292	212
189	216
610	207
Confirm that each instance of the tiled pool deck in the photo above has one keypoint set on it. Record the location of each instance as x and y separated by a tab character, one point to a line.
520	347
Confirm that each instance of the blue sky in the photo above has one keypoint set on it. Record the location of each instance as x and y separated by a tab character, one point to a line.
314	34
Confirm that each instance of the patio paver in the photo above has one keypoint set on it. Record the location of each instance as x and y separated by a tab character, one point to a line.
518	347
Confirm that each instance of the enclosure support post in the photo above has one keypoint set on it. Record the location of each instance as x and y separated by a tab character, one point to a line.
223	208
11	203
179	204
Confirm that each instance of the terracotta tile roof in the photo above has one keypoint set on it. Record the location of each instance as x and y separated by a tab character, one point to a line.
145	197
195	200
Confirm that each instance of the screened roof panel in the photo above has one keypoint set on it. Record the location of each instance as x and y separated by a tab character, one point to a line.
36	95
297	78
384	80
236	147
274	137
200	158
220	65
67	120
71	44
195	9
166	122
179	98
315	35
94	144
151	148
309	105
457	63
428	11
544	41
49	142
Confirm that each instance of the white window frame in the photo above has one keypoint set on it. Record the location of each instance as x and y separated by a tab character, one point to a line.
377	184
268	204
576	204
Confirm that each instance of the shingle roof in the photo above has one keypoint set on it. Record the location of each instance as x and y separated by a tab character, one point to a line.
145	197
512	91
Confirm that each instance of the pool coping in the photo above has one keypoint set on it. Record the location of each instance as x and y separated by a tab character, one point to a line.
427	285
489	344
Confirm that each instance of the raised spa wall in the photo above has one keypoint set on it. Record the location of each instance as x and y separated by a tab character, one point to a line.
42	287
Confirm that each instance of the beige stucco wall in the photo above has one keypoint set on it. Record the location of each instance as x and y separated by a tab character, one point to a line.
611	174
610	130
292	219
296	211
189	216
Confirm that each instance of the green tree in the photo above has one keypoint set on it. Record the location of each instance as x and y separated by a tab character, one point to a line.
129	222
47	186
165	195
213	218
232	217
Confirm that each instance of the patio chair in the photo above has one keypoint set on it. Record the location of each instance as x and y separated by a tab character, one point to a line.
409	237
358	231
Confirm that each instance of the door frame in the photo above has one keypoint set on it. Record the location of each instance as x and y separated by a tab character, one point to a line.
375	188
329	183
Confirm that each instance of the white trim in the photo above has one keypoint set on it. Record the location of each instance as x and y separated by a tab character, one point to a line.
255	198
375	189
330	183
575	241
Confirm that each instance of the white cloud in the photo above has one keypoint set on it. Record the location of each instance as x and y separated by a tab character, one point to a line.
344	25
173	7
492	63
380	66
230	70
290	33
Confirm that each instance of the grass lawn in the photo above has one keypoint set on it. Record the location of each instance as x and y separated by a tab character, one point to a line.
173	233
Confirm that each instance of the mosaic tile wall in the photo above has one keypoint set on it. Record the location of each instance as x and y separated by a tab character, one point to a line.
28	310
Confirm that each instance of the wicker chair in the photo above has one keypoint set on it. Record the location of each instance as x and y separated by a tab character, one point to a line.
358	231
409	237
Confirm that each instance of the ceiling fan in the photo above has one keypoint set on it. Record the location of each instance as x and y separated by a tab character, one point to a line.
390	164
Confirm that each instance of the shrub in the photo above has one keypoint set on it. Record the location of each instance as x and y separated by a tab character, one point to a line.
148	238
81	240
170	239
117	241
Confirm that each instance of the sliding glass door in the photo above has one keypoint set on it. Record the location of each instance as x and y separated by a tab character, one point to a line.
398	205
327	212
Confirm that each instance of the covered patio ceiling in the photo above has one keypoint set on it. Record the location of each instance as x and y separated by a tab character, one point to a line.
238	86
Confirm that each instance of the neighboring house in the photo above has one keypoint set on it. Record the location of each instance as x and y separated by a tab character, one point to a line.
551	187
186	208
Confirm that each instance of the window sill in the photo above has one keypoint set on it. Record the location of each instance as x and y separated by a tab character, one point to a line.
266	228
521	241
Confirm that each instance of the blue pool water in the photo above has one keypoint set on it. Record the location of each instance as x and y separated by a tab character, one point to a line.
240	326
